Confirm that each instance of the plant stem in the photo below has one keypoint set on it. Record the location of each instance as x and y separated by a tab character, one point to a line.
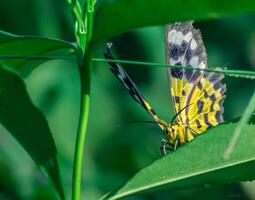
80	32
237	132
85	80
227	72
85	64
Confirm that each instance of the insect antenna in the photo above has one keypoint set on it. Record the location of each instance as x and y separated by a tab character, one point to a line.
147	122
141	121
176	115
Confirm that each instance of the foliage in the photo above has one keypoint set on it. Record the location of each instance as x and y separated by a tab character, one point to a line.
115	14
191	166
22	57
14	99
24	53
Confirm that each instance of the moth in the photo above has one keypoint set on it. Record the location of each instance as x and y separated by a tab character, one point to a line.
197	95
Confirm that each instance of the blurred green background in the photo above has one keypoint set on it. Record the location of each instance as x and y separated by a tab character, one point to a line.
115	149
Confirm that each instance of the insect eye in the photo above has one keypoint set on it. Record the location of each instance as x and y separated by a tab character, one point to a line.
173	130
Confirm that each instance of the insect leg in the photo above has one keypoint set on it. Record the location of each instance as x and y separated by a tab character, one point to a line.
194	133
176	142
163	147
186	134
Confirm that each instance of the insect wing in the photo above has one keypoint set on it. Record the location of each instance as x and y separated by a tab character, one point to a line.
130	86
200	92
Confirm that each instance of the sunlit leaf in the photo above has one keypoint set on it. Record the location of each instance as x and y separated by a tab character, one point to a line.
199	163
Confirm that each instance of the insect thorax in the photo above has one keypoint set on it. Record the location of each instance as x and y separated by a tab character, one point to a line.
177	132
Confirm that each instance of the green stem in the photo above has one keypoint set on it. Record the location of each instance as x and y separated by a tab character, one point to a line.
227	72
85	81
241	124
80	26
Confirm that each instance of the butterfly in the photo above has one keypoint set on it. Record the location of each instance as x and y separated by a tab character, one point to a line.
197	95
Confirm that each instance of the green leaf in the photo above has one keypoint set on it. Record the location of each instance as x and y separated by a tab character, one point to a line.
27	124
113	17
24	53
197	164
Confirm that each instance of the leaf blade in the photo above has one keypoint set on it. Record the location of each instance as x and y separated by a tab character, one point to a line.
19	52
114	13
27	124
197	164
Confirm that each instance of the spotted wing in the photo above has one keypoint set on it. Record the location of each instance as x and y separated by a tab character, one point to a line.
207	100
130	86
200	93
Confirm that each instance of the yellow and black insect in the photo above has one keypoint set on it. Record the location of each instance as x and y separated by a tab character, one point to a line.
197	96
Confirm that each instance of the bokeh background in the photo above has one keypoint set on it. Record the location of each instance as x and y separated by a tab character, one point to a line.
115	148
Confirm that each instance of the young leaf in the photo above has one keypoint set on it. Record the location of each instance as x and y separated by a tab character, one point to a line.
113	17
27	124
197	164
24	53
